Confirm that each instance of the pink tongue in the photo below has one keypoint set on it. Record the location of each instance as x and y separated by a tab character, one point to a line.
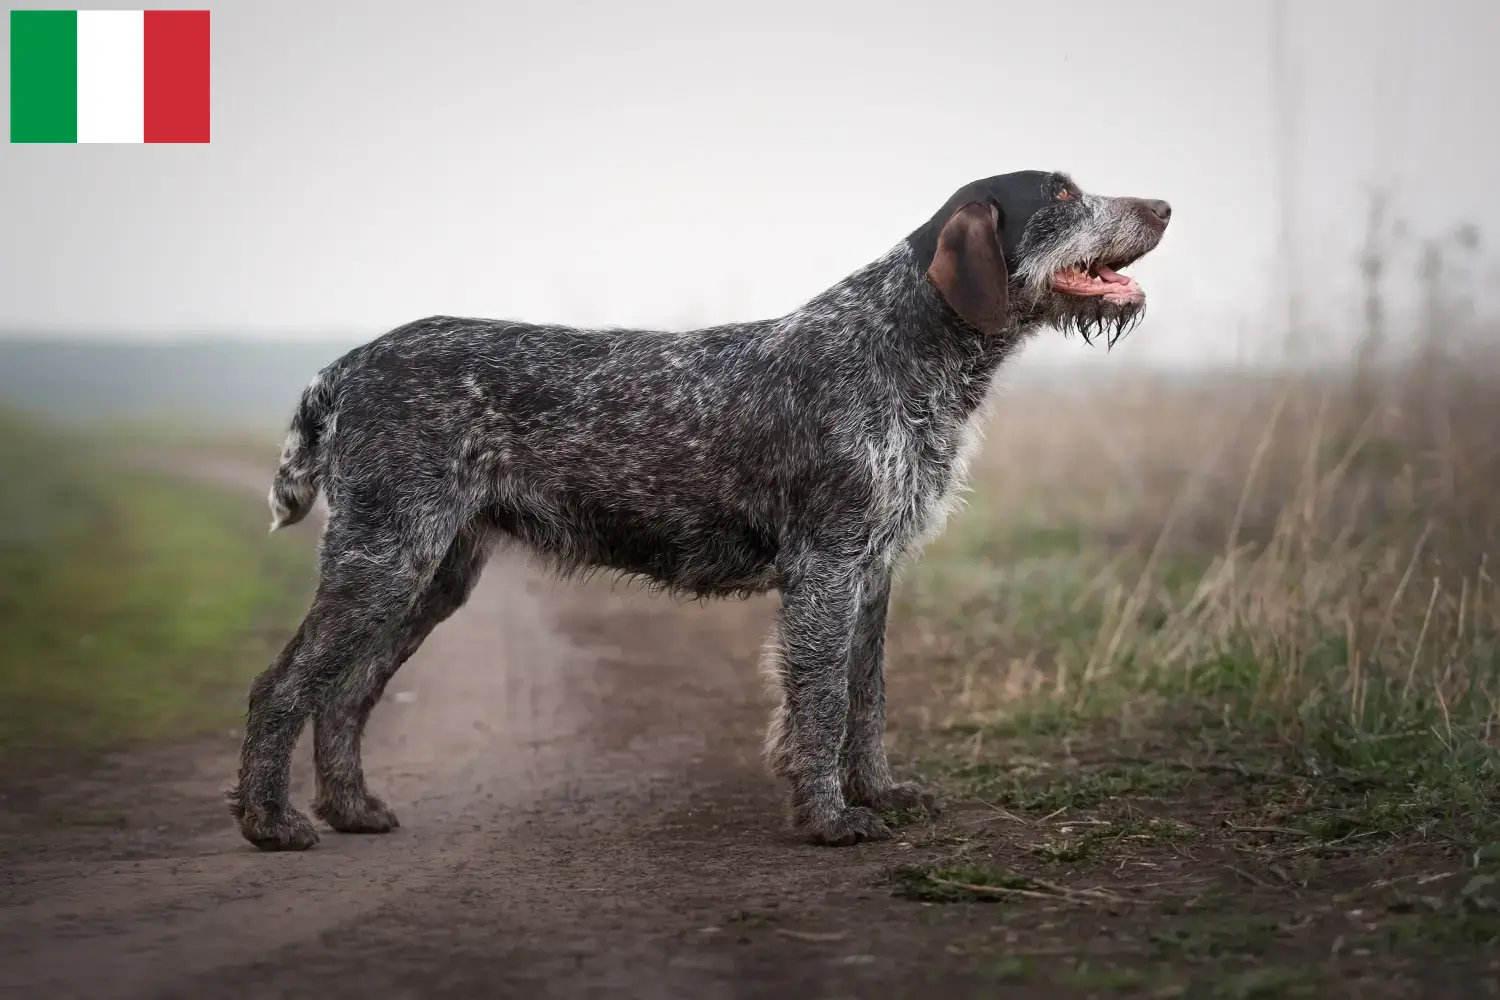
1109	275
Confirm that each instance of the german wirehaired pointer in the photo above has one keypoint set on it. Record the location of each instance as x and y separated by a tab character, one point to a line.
806	454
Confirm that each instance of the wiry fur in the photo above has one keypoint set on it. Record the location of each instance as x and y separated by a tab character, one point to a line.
807	454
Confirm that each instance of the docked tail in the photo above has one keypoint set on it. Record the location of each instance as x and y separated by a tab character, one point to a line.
296	484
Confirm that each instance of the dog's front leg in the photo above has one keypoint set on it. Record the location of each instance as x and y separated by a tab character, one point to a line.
867	774
815	632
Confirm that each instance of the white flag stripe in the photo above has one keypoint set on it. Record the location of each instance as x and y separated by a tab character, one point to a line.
111	76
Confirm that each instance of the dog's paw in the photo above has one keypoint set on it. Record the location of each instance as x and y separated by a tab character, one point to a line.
848	826
276	829
364	815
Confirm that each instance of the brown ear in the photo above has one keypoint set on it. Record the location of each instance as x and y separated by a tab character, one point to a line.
969	267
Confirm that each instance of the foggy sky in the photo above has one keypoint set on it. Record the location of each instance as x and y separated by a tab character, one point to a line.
682	163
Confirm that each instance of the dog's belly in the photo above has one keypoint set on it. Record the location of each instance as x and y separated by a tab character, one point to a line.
708	555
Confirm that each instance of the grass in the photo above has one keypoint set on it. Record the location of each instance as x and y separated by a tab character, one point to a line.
133	605
1352	619
1229	655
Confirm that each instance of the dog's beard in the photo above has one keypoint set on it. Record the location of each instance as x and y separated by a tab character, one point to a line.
1093	319
1110	323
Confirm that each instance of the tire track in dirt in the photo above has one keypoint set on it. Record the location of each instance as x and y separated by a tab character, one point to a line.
584	813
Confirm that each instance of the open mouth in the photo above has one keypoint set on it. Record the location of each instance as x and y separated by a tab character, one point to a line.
1097	280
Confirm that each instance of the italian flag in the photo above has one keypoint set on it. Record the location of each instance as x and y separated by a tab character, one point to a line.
109	76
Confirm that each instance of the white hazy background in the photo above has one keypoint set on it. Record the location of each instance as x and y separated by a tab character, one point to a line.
677	163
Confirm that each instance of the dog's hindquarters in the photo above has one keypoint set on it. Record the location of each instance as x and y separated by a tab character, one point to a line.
300	473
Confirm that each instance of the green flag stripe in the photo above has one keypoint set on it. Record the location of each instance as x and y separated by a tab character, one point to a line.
43	76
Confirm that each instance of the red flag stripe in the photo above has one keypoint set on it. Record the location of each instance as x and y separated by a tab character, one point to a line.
176	76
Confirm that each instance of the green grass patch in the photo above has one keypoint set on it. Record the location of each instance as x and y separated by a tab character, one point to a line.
133	605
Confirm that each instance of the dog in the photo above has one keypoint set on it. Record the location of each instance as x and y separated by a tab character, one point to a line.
808	454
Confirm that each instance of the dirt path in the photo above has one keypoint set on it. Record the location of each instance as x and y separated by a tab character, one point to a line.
584	814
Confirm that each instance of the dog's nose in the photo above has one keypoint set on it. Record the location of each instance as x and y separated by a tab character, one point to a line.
1161	210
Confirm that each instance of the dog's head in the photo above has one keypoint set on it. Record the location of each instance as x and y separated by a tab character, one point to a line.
1032	247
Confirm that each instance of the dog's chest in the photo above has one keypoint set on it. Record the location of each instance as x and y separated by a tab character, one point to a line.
917	473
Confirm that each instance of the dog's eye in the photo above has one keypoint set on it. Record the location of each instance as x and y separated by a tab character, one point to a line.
1064	195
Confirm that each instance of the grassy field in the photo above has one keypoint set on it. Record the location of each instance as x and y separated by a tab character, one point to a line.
134	605
1213	673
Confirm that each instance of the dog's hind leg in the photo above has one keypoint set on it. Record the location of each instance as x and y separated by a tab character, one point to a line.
343	801
867	774
374	566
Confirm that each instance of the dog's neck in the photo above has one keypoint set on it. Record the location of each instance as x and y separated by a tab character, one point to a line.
914	336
